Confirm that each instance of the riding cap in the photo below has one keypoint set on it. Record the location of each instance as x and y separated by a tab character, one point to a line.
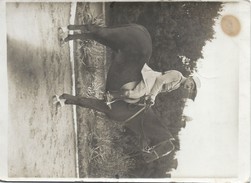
196	81
197	85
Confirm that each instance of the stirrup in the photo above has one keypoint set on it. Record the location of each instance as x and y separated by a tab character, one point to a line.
108	99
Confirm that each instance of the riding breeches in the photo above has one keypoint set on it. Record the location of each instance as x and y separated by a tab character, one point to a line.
137	92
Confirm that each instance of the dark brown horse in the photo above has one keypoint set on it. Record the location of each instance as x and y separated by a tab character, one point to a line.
132	45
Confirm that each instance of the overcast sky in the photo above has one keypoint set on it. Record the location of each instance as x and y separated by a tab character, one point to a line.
209	143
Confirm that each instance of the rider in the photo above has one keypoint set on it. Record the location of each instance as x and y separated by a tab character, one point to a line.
154	83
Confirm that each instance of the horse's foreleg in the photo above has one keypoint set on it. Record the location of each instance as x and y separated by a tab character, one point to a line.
69	99
73	37
75	27
83	36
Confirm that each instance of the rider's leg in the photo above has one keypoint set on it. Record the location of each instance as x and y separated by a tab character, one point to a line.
116	95
135	93
138	91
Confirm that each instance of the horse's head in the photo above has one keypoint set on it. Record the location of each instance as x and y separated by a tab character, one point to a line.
146	125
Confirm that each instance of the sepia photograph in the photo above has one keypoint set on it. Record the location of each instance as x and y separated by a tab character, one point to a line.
125	90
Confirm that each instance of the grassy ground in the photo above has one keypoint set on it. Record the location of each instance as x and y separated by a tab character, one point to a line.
104	146
100	154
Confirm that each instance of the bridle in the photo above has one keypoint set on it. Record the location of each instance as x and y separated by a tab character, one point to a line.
147	149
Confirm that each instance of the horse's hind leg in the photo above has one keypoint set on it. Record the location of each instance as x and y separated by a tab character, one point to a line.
77	27
84	28
74	37
98	36
91	28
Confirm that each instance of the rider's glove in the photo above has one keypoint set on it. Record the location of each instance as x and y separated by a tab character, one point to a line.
149	100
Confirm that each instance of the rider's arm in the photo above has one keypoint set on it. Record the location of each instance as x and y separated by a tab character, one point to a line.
170	78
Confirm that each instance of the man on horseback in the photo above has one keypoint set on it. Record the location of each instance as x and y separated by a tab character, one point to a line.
132	46
152	84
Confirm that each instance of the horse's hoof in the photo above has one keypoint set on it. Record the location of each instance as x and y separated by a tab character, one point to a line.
58	106
62	42
58	102
60	31
55	99
62	35
62	102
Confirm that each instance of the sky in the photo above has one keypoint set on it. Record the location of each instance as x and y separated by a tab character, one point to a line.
210	143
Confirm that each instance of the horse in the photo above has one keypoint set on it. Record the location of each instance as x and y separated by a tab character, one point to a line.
132	46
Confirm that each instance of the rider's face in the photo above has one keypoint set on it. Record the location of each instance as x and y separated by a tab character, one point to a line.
189	84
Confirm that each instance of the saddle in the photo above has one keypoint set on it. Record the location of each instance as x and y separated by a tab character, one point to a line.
127	86
150	153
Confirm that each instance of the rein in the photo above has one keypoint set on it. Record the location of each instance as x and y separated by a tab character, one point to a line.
134	115
145	107
151	150
148	149
156	154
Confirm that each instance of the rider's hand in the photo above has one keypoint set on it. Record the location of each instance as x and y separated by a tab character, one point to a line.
149	100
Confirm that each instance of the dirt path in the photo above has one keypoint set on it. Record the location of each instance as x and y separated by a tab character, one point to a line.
41	138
